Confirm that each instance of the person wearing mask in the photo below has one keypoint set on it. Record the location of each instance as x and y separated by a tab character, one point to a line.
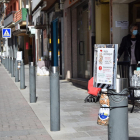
130	46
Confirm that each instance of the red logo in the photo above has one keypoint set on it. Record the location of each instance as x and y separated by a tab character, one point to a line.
100	67
100	50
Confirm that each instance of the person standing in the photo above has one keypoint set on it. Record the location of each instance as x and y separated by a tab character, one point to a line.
130	46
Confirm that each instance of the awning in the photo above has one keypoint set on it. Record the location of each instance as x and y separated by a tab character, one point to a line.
21	32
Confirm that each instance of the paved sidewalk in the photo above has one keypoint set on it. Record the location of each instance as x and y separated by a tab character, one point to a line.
17	119
78	119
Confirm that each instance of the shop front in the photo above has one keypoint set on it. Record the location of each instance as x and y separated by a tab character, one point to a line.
78	46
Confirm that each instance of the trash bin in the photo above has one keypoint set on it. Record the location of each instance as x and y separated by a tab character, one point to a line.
118	121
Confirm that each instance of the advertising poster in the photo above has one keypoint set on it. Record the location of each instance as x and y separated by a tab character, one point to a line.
105	65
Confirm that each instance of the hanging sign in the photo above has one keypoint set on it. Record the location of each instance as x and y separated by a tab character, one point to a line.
27	45
105	65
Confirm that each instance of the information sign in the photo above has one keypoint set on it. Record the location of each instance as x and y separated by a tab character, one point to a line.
105	65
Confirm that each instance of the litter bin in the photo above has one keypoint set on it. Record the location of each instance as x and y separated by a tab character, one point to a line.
118	121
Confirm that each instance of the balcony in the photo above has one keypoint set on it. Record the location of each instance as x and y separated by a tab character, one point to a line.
8	20
20	16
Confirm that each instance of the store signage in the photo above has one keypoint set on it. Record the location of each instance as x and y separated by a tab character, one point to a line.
32	29
19	55
105	65
17	27
27	45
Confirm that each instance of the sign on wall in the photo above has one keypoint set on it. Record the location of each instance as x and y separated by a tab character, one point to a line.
105	65
19	55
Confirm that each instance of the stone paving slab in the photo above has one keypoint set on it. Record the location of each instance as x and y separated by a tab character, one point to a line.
78	119
17	119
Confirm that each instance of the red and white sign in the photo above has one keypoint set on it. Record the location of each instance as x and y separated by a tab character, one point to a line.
105	65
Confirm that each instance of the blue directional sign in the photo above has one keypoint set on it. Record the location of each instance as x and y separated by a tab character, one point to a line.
6	33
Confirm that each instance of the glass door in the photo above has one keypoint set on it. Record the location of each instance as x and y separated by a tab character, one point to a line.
83	42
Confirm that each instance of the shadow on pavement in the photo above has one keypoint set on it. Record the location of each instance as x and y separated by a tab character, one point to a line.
134	138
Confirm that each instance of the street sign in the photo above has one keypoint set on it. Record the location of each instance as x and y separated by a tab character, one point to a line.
6	33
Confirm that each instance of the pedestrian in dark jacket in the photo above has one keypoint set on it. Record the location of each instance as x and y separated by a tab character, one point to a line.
130	46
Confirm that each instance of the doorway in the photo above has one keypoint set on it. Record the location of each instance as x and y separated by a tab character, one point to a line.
83	55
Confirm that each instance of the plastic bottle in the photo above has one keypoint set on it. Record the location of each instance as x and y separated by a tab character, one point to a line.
103	116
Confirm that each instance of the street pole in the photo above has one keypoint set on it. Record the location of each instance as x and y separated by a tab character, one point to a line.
54	99
17	72
118	121
54	80
32	82
12	67
9	64
22	76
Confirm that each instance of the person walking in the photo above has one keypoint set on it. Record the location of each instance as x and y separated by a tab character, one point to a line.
130	46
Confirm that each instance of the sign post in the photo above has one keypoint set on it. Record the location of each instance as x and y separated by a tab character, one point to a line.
6	33
105	74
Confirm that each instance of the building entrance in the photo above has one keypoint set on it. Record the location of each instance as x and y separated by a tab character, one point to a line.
83	42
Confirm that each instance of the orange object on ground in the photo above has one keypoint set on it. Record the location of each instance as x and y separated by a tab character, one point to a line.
93	90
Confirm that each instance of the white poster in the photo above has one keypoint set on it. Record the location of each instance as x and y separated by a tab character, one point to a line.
19	55
122	24
105	65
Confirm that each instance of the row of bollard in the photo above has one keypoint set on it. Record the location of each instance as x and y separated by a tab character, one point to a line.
17	70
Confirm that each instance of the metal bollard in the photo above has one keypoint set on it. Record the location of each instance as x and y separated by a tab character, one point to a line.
32	83
22	76
118	121
12	67
17	72
9	65
0	60
5	62
54	99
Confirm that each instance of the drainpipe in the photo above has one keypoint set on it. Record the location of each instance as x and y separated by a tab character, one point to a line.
92	31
